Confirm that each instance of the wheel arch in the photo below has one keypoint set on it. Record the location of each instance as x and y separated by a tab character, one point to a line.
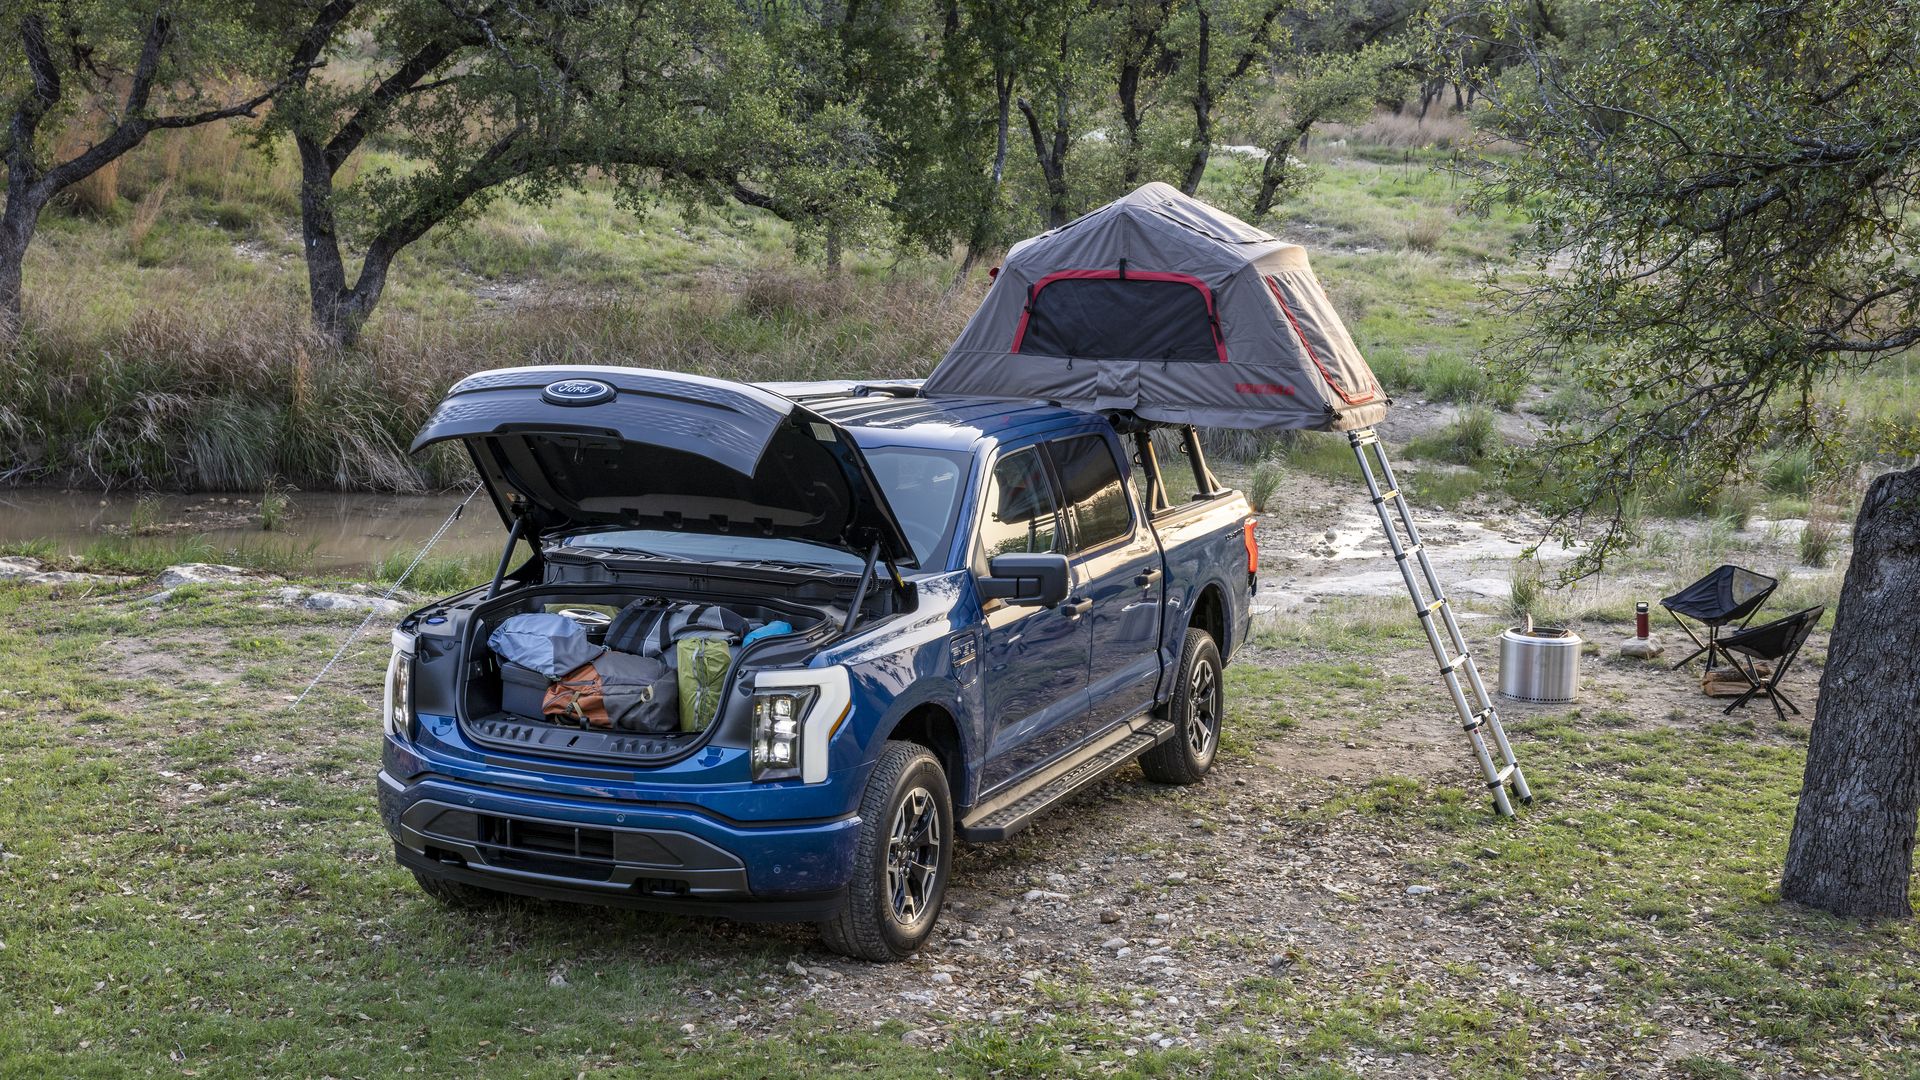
1210	614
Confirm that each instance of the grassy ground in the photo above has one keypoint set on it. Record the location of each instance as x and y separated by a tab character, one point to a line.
193	881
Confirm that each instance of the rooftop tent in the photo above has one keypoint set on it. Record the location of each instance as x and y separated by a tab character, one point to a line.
1163	306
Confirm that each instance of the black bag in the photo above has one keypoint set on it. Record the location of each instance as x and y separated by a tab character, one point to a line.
694	620
629	630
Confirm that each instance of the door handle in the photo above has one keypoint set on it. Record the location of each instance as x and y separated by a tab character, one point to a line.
1073	609
1147	579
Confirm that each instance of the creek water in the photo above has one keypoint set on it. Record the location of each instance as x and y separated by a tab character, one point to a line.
340	531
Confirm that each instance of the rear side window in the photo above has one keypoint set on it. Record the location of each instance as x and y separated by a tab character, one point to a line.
1020	515
1091	485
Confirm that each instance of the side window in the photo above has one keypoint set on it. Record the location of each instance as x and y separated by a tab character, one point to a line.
1021	516
1091	485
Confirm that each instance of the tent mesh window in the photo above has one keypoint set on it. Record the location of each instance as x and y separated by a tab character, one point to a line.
1115	318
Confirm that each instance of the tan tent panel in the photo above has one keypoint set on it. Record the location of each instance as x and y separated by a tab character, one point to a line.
1160	305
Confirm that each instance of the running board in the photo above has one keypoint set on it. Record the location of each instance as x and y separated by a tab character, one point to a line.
1008	813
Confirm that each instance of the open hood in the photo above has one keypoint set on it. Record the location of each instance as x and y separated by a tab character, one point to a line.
580	447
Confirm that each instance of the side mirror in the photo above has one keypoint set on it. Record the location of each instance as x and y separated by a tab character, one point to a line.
1025	580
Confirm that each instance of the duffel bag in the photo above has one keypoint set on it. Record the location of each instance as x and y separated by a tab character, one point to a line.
549	644
616	691
702	664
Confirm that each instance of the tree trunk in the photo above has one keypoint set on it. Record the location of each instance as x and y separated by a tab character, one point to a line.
1852	846
1273	171
14	237
1202	146
833	247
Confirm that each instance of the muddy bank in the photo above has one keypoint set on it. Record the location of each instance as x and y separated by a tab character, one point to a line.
345	532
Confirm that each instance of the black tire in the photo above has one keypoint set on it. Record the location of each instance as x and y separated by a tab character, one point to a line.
459	894
1199	701
902	862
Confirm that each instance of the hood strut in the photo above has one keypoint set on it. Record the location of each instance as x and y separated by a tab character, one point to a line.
860	594
506	553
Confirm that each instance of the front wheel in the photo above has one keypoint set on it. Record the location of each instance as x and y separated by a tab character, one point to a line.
902	861
1199	699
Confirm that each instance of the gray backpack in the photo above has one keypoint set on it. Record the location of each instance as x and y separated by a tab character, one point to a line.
617	691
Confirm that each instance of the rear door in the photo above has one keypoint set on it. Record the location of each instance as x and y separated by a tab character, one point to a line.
1036	658
1116	565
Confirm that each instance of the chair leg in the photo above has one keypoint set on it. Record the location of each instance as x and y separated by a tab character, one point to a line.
1788	700
1688	630
1774	697
1743	699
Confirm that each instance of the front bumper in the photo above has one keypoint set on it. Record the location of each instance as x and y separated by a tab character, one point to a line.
618	853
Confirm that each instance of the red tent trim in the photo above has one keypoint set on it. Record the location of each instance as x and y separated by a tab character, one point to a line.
1279	297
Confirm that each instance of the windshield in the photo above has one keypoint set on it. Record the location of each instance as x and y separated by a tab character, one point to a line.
922	486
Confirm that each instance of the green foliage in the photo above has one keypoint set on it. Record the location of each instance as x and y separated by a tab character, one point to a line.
1261	486
1817	542
1468	439
1720	197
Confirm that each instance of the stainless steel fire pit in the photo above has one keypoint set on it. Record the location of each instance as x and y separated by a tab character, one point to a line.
1539	664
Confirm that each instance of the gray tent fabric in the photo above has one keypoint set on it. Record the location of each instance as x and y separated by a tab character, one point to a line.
1163	306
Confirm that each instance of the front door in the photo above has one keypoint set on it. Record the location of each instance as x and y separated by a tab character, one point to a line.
1117	566
1036	658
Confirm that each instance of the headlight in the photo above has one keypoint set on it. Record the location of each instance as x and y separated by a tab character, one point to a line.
777	717
398	715
794	714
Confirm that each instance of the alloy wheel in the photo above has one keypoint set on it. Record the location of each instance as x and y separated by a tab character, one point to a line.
913	856
1203	699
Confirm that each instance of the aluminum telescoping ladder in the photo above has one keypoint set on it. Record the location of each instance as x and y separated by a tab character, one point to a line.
1477	715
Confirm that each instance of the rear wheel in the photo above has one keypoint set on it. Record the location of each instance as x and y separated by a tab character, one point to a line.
1199	700
902	862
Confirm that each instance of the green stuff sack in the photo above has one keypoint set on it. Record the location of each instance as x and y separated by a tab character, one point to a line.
702	664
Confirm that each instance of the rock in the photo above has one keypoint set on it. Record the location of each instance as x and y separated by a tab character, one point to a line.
1042	894
794	968
556	979
1419	890
1176	877
917	1037
1122	953
333	601
1162	918
1109	916
1114	943
289	594
160	597
33	572
195	573
941	978
1642	648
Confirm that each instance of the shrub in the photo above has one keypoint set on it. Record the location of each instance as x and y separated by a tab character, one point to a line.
1263	483
1526	591
1786	472
274	505
1469	439
1817	542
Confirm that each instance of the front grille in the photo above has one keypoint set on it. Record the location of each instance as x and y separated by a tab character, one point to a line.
546	838
662	863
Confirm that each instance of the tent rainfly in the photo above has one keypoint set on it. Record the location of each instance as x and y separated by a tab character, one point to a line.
1162	306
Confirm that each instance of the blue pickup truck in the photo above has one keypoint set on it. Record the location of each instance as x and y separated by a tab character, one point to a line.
986	606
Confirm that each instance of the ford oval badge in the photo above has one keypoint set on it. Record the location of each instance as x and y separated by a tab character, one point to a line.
577	392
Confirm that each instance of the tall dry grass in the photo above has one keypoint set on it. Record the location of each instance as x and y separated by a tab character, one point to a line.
231	395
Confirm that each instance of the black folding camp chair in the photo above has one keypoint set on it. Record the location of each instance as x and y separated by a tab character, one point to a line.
1730	594
1778	642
